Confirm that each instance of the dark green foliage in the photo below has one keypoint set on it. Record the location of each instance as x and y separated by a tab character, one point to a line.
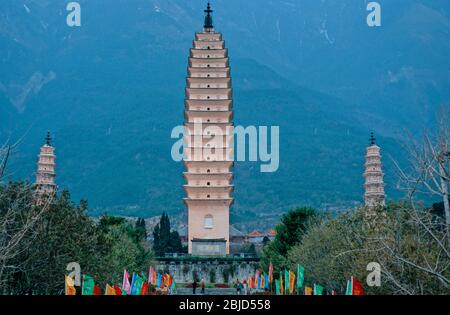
289	232
63	233
141	230
165	240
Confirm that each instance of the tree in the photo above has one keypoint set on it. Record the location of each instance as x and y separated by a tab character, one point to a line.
165	240
334	249
19	220
141	229
289	232
429	169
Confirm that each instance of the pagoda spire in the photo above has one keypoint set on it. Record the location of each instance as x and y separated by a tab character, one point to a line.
208	17
372	139
48	139
374	194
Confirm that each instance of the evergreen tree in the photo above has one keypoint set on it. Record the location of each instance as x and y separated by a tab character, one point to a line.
165	240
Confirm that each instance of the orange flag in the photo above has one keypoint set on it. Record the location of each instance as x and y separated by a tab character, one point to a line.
291	282
281	285
110	290
308	291
70	286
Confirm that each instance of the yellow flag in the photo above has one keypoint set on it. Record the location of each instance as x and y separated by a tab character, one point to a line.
291	282
110	290
70	286
308	291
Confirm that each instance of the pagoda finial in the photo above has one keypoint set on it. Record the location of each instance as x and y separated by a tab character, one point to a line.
372	139
48	139
208	17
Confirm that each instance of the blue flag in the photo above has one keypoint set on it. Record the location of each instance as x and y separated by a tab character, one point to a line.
133	281
158	281
266	282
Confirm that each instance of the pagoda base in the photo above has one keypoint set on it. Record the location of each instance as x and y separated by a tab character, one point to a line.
209	247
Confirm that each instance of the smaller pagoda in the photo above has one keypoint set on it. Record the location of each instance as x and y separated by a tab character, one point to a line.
45	175
374	178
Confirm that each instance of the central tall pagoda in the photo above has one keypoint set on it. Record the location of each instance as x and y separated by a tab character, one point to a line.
208	157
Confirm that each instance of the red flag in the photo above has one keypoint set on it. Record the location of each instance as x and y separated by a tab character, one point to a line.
357	288
144	290
333	292
118	290
97	290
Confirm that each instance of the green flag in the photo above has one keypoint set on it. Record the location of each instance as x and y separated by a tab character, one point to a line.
137	287
88	285
300	277
277	287
286	282
349	290
318	289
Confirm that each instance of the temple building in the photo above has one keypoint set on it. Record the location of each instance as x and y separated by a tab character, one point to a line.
208	153
45	175
374	183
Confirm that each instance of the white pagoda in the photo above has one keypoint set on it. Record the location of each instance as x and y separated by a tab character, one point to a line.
208	143
45	175
374	178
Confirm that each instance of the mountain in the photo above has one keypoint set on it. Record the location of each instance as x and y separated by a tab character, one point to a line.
112	90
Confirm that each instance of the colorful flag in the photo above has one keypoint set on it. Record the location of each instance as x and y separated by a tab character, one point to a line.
286	281
174	286
88	285
97	290
281	285
356	287
158	280
70	286
262	282
300	276
118	290
271	273
126	286
308	291
333	292
291	282
136	285
144	290
277	287
266	281
151	273
167	280
348	290
110	290
318	289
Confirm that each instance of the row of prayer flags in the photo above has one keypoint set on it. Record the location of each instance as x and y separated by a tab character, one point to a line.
287	282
